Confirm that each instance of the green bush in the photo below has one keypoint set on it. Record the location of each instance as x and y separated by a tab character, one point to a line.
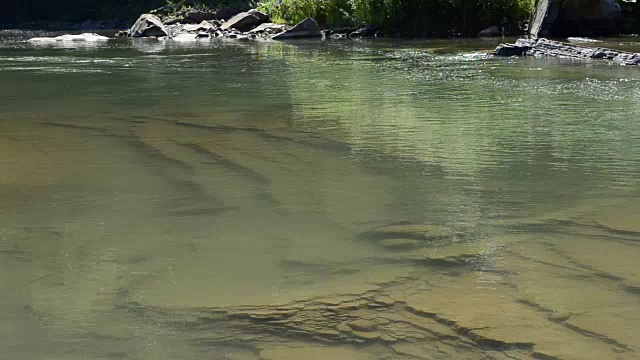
410	16
328	12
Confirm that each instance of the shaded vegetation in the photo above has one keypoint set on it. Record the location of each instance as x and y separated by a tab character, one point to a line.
19	11
631	17
410	16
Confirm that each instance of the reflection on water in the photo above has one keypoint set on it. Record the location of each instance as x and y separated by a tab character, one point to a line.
356	200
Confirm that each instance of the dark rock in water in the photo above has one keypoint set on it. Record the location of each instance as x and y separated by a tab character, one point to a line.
518	49
491	31
122	33
307	28
339	32
148	25
558	18
364	31
243	22
543	47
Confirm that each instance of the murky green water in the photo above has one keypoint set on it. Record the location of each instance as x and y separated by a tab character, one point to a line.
314	200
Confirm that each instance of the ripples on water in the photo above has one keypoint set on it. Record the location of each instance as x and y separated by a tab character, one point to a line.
320	200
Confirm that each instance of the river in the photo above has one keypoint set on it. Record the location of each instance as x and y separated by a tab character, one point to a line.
387	199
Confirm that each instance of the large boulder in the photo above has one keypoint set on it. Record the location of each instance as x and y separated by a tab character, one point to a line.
148	25
561	18
307	28
259	14
245	21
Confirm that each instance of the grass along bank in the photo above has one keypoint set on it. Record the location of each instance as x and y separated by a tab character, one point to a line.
412	17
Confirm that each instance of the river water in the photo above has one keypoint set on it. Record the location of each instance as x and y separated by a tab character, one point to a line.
316	200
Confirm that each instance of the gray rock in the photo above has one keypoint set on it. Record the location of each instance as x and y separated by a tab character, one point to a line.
582	40
243	22
549	48
307	28
148	25
364	31
203	26
491	31
259	14
557	18
268	28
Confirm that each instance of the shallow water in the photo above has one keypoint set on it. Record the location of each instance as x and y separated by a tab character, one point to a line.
316	200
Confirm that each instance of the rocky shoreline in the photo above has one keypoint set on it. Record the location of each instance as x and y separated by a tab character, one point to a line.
550	48
234	24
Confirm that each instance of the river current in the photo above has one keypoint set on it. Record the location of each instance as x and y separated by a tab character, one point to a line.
387	199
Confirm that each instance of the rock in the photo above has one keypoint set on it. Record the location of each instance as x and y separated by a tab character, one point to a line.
184	37
491	31
364	31
559	316
307	28
400	244
409	231
582	40
362	325
388	338
259	14
343	328
337	36
366	335
517	49
87	37
243	22
339	33
193	16
122	33
148	25
268	28
203	26
556	18
543	47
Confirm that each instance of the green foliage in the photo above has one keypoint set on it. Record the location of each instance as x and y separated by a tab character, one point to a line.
329	12
412	16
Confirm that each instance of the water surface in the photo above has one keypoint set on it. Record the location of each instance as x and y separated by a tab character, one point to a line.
316	200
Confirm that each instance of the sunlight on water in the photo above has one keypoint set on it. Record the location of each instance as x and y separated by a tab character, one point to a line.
316	200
